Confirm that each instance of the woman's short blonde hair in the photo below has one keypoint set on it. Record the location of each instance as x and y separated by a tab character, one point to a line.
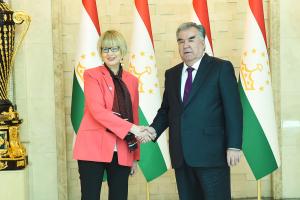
112	38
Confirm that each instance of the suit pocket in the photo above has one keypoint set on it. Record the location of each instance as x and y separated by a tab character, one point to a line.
89	141
214	138
218	130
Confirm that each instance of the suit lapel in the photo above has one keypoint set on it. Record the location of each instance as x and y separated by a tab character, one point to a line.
108	81
177	82
200	76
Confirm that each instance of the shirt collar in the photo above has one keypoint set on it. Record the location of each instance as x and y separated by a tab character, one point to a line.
195	65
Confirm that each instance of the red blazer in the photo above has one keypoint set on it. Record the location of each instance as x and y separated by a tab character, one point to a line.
93	141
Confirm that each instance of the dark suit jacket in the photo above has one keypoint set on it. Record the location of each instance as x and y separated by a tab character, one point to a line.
211	121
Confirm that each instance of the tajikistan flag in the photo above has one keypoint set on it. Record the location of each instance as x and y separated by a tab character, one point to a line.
200	16
155	158
260	144
87	57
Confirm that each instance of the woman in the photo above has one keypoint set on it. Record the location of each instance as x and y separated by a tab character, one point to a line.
104	140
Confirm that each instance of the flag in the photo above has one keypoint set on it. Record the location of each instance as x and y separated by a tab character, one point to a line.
200	16
87	57
260	144
155	158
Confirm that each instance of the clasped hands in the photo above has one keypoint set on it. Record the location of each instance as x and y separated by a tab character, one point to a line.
143	133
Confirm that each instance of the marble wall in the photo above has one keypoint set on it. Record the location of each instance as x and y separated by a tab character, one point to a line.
290	97
44	70
35	98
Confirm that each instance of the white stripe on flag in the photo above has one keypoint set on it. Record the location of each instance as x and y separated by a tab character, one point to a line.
87	54
208	48
149	84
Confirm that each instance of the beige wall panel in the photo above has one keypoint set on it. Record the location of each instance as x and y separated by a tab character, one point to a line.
34	67
290	95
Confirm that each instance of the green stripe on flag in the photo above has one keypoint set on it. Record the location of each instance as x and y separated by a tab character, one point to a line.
77	104
256	147
152	162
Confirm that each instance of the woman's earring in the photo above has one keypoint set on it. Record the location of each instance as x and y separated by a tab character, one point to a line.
121	62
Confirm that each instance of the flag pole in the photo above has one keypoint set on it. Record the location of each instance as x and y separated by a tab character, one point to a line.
258	190
147	190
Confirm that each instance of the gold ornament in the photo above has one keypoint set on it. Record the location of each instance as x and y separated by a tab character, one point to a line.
13	154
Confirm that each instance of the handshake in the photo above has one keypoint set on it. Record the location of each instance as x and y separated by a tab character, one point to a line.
143	133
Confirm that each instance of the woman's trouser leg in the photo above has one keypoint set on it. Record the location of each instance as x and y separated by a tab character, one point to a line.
117	179
91	176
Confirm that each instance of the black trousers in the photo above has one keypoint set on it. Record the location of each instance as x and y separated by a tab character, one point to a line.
203	183
91	176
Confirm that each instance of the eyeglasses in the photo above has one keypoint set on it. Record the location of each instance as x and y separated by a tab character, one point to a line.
112	49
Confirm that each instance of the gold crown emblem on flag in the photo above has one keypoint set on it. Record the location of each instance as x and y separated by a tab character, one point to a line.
80	70
250	70
142	71
246	75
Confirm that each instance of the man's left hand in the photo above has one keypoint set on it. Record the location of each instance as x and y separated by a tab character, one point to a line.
233	157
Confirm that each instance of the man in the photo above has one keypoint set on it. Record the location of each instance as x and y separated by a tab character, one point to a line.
202	108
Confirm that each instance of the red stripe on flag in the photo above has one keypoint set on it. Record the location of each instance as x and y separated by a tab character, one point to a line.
91	8
200	7
143	10
257	9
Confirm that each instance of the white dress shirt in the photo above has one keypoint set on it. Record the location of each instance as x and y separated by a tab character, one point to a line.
184	74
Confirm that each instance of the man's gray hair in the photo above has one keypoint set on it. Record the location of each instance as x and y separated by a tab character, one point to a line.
187	25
